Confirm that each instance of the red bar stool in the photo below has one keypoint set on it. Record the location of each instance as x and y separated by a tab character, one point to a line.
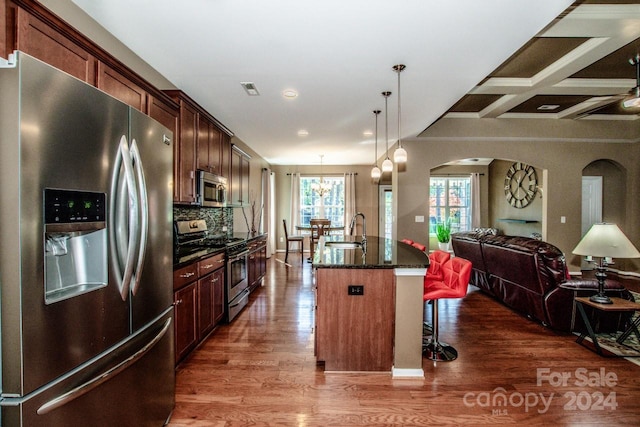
455	281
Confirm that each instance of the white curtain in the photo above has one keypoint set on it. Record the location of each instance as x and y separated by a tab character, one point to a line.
266	221
349	199
294	215
475	200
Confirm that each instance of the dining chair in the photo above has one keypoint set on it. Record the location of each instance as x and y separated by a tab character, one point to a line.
292	239
319	227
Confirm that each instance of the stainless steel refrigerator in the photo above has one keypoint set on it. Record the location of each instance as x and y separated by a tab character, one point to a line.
86	257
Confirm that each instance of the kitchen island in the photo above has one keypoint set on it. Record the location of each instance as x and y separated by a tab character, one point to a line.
369	308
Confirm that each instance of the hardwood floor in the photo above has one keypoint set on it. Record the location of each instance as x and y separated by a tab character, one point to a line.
260	370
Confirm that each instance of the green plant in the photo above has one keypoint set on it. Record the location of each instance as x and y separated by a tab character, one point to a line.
443	231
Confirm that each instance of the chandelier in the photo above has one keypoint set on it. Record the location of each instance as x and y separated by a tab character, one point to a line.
322	188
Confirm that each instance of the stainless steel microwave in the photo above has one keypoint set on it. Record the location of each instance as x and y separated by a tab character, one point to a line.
211	189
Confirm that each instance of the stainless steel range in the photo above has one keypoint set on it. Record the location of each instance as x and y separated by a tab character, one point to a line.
193	241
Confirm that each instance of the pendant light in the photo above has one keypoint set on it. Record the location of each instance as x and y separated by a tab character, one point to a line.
375	172
400	155
633	101
387	165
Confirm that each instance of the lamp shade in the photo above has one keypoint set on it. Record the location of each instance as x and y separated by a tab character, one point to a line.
606	240
400	155
375	172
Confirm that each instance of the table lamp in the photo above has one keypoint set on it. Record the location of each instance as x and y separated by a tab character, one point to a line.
604	241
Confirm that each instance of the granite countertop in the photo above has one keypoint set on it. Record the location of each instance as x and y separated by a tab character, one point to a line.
379	253
190	255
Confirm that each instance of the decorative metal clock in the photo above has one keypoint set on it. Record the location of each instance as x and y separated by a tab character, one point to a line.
520	185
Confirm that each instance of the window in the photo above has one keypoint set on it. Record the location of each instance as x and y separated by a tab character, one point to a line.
330	206
450	198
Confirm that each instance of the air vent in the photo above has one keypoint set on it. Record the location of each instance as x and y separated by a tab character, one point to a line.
250	88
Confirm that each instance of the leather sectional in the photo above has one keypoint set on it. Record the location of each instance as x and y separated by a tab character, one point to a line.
531	277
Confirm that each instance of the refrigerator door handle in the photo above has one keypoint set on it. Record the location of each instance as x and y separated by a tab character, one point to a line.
123	238
144	214
105	376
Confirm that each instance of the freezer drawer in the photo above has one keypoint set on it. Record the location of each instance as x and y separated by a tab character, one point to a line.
139	394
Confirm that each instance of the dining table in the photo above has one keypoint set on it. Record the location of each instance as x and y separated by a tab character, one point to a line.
304	229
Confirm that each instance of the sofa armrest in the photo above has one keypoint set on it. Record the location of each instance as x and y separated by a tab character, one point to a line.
578	284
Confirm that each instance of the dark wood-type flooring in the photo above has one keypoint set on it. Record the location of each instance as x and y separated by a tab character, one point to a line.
260	370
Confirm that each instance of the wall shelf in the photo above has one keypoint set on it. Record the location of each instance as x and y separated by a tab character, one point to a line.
519	221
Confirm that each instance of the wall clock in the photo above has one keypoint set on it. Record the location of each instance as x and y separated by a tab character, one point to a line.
520	185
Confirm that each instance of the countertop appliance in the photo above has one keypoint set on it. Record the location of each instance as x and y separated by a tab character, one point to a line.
211	189
86	266
192	240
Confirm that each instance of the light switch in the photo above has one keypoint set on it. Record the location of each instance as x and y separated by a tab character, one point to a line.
563	219
419	218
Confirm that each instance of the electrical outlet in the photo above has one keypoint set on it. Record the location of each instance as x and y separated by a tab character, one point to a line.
281	239
224	228
356	290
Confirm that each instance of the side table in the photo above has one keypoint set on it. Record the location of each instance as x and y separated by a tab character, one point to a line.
618	305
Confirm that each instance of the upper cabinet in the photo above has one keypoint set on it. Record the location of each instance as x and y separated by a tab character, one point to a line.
40	40
202	144
240	162
200	141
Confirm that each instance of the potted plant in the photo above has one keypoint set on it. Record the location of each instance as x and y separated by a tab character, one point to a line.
443	234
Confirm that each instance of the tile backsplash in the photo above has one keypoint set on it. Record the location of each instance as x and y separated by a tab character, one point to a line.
216	218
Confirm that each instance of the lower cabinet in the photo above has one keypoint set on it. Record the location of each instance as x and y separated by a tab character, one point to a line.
186	336
199	302
257	264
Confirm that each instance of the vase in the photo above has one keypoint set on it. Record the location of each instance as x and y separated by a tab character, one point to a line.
443	246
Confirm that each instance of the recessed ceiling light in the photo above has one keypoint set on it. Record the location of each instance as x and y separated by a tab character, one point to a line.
250	88
303	132
290	94
548	107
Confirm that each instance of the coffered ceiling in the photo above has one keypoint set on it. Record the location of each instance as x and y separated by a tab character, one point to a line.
577	68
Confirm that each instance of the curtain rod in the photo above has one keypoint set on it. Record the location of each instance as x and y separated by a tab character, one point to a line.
324	174
455	174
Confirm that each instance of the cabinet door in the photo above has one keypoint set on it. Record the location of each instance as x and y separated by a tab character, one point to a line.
168	115
203	146
120	87
185	320
39	40
244	173
205	305
225	155
218	295
186	179
214	149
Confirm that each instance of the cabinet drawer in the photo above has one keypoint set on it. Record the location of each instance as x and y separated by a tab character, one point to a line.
207	265
185	275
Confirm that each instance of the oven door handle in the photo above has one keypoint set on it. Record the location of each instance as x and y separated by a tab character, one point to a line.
238	256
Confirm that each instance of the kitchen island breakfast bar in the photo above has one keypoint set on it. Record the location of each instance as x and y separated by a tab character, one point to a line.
369	307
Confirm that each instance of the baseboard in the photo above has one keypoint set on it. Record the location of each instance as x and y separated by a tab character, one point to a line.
407	373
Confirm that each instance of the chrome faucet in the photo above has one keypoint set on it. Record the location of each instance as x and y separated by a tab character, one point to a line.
364	226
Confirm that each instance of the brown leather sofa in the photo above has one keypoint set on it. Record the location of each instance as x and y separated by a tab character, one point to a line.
530	276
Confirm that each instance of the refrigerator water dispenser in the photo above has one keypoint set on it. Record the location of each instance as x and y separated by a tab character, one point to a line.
75	243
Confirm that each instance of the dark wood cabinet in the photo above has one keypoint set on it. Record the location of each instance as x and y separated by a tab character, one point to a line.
199	301
240	167
38	39
218	296
257	263
186	336
167	113
211	273
209	146
120	87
